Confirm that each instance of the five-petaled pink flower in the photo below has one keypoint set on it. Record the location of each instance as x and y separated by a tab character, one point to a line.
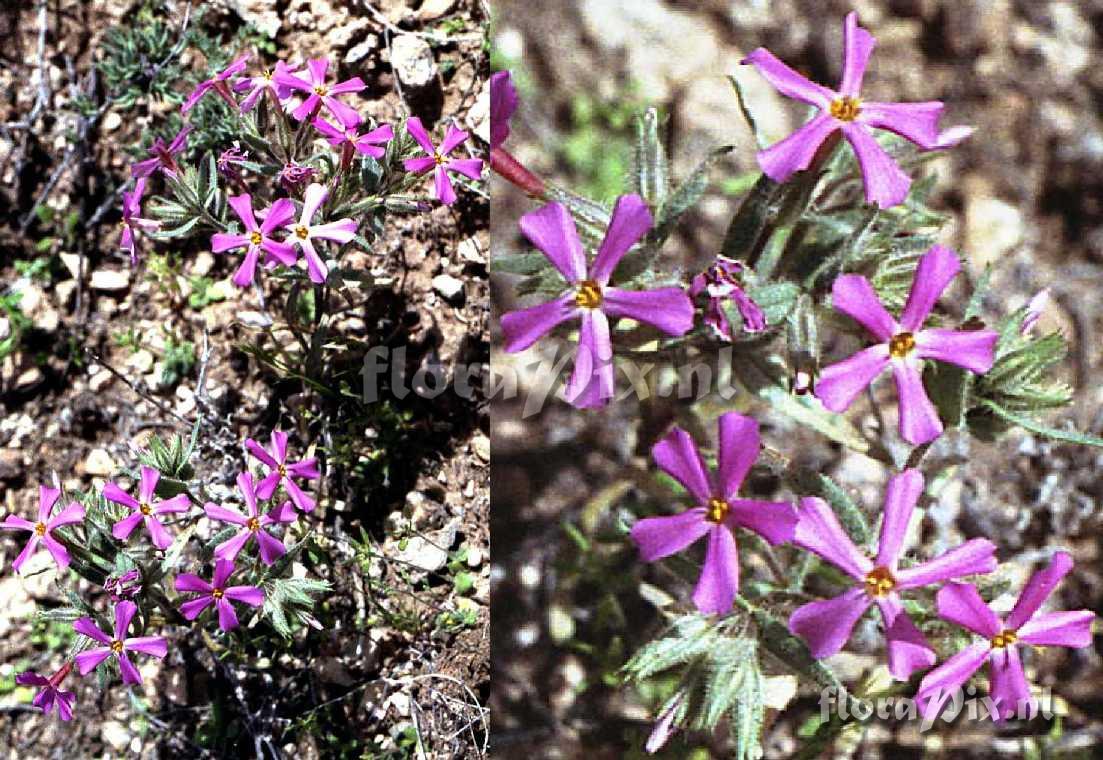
348	137
961	604
40	531
257	237
132	222
718	512
903	345
145	508
826	625
87	661
262	83
49	694
437	160
218	84
217	593
163	157
305	233
503	103
886	184
722	281
281	473
319	94
270	547
589	297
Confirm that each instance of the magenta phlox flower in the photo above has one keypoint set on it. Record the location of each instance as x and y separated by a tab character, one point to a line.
319	93
125	586
162	156
589	298
132	221
146	509
503	104
119	646
49	694
217	593
281	473
218	84
723	281
903	345
844	110
348	137
826	625
42	530
266	81
436	159
253	524
294	177
719	511
229	160
961	604
257	237
304	232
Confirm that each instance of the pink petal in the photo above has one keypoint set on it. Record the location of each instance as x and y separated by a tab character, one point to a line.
901	495
419	165
344	114
919	421
471	168
819	531
857	46
1059	629
503	104
356	84
314	197
222	514
854	296
267	486
243	207
340	231
148	484
245	273
302	501
154	646
443	187
279	445
974	350
223	569
129	672
227	619
47	497
908	649
14	522
658	537
786	157
65	704
280	213
1007	682
826	625
935	270
270	547
195	95
248	493
284	513
552	230
281	252
315	267
86	627
194	608
452	138
74	513
246	595
88	661
417	131
788	82
260	453
317	68
57	551
161	538
176	505
1038	589
630	221
738	446
307	468
677	455
960	603
592	383
178	143
124	527
938	686
776	521
886	184
145	168
187	582
231	547
222	241
28	551
953	136
124	614
522	328
917	122
112	492
976	556
668	309
719	581
838	385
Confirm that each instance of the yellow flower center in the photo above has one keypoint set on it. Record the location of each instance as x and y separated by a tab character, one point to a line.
438	158
217	593
145	509
879	581
282	470
588	295
301	231
255	238
267	74
320	91
717	510
1004	638
40	529
901	345
846	108
117	646
253	524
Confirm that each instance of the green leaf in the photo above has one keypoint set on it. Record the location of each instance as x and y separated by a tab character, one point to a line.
652	175
1057	434
520	263
687	194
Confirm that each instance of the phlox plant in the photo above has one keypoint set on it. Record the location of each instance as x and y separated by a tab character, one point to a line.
139	549
829	281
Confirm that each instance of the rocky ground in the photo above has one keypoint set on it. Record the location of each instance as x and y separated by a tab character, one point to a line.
84	384
1022	192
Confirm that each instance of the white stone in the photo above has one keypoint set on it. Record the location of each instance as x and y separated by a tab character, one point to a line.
111	280
450	288
412	61
100	463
